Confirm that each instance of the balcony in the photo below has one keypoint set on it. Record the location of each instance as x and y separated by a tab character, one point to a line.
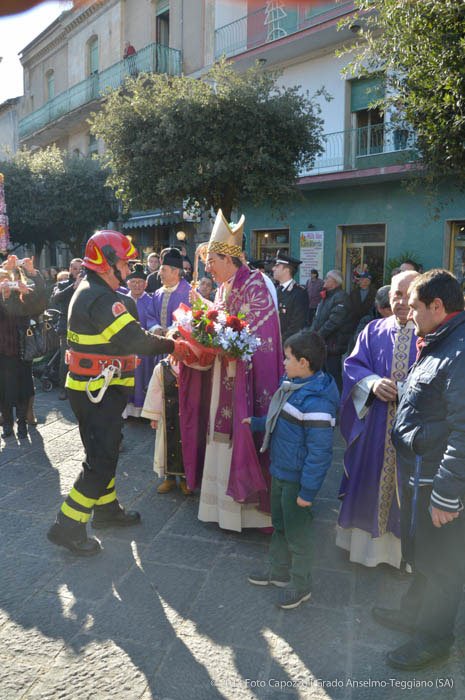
264	26
153	58
376	146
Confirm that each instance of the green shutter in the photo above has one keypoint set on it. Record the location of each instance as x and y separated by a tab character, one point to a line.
93	56
162	6
364	92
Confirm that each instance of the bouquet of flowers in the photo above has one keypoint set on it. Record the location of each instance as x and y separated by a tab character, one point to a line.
215	332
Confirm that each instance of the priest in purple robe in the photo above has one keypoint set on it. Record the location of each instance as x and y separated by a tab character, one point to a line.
369	519
137	282
175	291
219	453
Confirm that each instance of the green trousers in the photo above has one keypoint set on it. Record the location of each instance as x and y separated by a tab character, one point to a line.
291	548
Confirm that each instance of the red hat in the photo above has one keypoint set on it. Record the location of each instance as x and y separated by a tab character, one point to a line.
105	248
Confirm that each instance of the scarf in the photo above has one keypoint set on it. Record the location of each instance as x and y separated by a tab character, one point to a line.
276	404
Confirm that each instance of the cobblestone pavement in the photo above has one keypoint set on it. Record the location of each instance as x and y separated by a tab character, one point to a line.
165	612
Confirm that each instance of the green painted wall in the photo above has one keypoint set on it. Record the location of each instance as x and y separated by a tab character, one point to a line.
409	223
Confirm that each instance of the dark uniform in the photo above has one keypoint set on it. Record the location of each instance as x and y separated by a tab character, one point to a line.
293	309
100	324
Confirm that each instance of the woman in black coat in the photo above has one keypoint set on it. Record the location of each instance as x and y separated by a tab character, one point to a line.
17	306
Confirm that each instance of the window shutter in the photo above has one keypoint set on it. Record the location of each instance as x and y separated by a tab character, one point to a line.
364	92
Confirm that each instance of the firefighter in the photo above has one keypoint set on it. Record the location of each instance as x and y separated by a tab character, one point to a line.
103	337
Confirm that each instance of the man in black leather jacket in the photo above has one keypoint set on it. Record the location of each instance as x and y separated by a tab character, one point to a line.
334	322
429	436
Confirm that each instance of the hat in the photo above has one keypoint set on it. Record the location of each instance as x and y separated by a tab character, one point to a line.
171	257
226	239
284	259
137	273
256	264
365	275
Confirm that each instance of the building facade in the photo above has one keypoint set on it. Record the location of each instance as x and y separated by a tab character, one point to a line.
73	62
355	210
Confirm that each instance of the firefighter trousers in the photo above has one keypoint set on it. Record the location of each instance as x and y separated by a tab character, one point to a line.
100	428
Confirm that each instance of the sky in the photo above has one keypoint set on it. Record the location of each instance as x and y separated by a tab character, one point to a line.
16	32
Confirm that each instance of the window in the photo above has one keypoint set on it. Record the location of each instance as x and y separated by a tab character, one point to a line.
163	23
364	249
367	121
50	78
93	145
268	242
93	55
457	251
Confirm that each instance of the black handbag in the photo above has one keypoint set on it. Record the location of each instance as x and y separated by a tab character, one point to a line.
38	339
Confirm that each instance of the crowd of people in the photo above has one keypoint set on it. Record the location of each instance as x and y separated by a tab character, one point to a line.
256	436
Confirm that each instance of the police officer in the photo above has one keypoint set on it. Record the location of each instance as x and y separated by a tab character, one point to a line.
292	298
104	338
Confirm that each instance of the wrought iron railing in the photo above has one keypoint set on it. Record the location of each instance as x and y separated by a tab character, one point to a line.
354	149
153	58
269	24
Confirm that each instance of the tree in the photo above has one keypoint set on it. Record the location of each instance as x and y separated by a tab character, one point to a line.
52	196
421	46
214	141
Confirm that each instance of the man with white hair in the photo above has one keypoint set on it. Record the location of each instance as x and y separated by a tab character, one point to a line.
369	520
333	321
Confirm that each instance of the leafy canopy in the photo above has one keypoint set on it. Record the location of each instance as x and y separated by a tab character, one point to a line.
421	46
213	141
53	196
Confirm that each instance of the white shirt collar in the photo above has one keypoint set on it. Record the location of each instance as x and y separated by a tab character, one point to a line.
285	285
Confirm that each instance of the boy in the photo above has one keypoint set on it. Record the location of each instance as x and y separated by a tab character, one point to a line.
299	427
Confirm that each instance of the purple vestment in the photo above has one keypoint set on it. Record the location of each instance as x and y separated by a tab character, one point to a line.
163	303
144	371
248	394
369	488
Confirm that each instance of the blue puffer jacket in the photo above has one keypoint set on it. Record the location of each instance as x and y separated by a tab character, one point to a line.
301	444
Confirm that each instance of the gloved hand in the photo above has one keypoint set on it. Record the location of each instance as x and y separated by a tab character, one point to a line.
181	350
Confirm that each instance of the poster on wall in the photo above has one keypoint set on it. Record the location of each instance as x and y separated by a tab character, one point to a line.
311	253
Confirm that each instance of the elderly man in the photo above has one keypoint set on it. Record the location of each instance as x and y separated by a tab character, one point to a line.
362	297
175	291
369	524
429	436
219	452
333	321
292	298
383	301
137	282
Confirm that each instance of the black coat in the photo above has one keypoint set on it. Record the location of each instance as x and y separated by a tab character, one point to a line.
333	321
361	308
293	309
430	419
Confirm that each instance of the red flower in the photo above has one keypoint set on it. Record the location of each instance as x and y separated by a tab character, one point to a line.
234	323
210	329
212	315
244	324
198	315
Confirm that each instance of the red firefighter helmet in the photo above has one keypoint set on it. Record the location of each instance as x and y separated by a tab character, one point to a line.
105	248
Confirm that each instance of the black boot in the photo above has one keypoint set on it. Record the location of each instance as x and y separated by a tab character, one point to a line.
394	619
75	539
114	515
22	430
7	430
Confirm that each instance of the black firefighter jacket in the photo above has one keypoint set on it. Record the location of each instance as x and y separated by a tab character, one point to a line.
100	323
430	420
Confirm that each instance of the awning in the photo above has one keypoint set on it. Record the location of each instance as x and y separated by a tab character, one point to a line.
153	218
